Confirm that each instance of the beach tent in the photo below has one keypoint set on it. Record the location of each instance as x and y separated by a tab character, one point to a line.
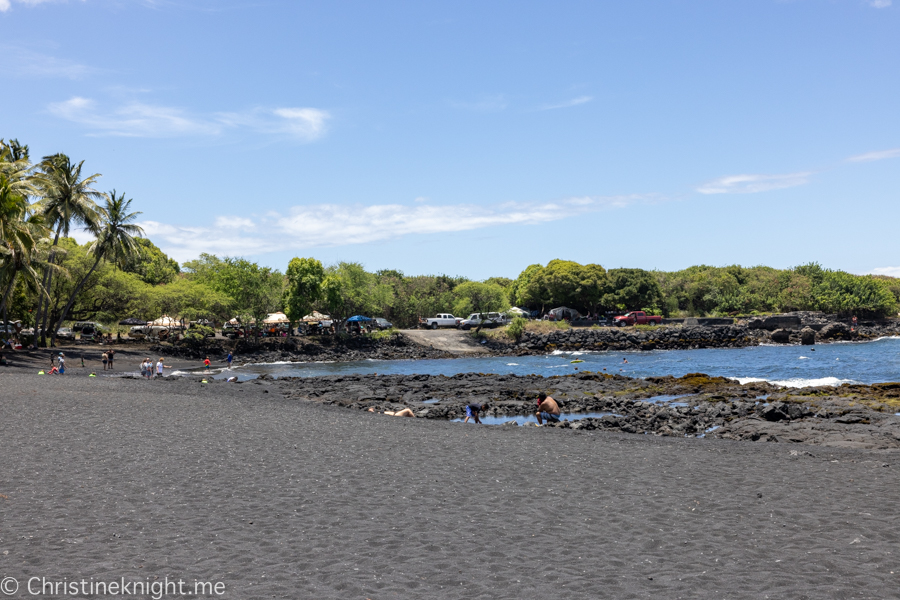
563	312
165	321
519	311
133	321
275	318
316	316
355	318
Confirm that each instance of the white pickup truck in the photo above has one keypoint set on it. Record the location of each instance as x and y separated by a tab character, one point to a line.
441	320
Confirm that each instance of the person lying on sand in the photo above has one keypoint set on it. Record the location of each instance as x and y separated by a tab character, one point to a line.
473	411
547	409
397	413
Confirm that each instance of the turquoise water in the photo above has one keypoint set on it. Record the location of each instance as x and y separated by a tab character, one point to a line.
829	364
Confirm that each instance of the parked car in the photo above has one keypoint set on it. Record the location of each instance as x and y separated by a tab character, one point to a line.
637	317
383	323
81	325
65	333
490	320
232	330
441	320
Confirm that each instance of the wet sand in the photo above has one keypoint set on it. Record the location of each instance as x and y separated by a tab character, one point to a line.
284	498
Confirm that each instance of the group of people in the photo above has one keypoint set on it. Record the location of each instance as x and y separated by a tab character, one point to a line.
108	359
547	410
147	368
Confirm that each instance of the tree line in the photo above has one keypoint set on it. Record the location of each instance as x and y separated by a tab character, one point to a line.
47	278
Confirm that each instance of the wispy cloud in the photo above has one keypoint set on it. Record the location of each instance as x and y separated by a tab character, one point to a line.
879	155
139	119
751	184
302	123
135	119
879	3
488	103
5	5
23	63
304	227
889	271
567	103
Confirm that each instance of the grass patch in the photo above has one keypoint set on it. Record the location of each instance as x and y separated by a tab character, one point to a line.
382	334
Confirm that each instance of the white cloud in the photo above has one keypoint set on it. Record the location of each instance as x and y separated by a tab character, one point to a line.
305	124
879	155
880	3
890	271
133	120
751	184
314	226
139	119
234	223
568	103
28	64
5	5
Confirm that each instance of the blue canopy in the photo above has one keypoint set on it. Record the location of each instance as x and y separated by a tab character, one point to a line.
358	318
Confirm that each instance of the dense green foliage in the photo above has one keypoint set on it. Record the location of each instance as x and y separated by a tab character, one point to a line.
47	278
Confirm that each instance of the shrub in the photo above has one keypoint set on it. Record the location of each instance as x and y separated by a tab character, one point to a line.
516	328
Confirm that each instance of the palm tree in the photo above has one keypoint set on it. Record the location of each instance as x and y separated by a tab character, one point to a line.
21	230
116	241
68	199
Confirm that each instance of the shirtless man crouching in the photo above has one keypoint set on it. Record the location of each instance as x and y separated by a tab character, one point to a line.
547	409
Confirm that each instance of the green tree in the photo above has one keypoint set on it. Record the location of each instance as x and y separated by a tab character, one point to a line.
151	264
67	200
305	277
475	296
632	289
116	241
350	290
522	292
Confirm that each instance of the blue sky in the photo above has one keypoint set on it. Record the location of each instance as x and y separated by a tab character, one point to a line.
476	138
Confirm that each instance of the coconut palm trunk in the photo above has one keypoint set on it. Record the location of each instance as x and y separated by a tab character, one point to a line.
115	240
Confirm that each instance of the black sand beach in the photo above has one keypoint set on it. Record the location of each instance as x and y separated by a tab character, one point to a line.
283	498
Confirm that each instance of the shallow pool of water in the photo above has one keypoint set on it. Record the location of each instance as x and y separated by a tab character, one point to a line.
522	419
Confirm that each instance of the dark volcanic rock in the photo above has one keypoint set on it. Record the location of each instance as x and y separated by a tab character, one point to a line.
781	336
835	331
808	336
776	322
861	416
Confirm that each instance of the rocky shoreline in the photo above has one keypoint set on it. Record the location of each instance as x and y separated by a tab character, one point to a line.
801	328
303	349
696	405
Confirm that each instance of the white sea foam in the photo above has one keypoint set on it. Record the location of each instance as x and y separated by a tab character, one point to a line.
512	364
804	358
796	382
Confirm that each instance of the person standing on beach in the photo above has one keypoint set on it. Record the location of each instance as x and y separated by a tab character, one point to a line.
104	358
206	363
548	409
160	366
144	368
228	359
473	411
110	355
61	362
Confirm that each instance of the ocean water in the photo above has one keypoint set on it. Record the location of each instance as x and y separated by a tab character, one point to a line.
796	366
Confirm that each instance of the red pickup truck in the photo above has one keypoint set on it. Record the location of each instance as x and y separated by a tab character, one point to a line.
637	317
